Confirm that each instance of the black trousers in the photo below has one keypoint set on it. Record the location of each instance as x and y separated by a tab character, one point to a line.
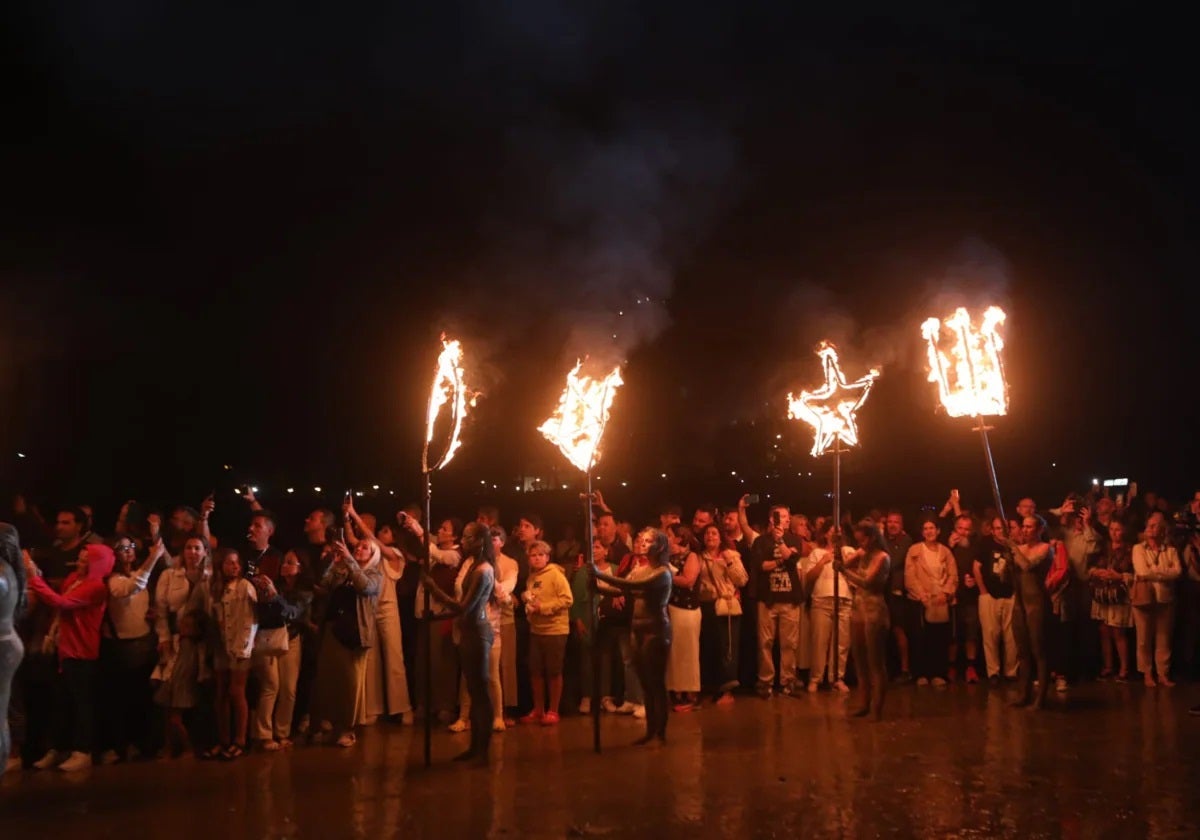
75	719
929	653
125	668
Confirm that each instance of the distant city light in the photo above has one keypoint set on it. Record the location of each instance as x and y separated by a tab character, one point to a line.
316	489
291	490
20	454
374	486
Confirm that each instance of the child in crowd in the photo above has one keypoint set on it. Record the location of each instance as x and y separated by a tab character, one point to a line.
548	602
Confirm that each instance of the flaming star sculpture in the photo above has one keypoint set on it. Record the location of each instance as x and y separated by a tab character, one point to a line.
969	373
830	409
577	425
449	388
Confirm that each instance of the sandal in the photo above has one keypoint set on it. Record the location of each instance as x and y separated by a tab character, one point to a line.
233	751
214	752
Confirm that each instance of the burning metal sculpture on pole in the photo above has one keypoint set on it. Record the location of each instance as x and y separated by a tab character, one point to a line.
449	389
830	410
576	427
965	364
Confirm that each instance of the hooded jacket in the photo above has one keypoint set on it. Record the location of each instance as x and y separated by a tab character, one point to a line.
81	604
367	582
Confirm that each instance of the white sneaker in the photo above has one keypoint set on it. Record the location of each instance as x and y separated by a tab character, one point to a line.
938	682
608	705
841	687
109	758
49	760
77	761
922	680
585	706
1060	685
627	708
639	712
460	725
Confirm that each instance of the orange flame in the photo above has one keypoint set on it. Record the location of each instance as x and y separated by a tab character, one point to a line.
970	376
577	425
830	409
449	388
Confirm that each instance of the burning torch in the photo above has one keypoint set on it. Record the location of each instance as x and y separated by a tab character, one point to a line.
830	410
576	427
965	364
449	392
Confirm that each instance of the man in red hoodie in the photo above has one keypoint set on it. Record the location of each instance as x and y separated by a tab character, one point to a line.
81	603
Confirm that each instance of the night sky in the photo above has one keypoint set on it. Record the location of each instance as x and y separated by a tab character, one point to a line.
236	239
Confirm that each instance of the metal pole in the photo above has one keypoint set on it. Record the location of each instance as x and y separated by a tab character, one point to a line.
593	607
837	522
428	632
991	465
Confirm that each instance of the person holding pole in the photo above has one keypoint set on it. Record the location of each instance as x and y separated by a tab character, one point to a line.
650	627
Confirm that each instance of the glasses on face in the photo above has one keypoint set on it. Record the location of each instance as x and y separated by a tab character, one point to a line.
125	547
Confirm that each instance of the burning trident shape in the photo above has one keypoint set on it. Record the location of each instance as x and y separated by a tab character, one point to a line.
970	377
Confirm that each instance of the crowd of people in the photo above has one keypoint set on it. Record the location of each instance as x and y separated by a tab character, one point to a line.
155	640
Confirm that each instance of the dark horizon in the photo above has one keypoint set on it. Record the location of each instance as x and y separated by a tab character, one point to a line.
236	242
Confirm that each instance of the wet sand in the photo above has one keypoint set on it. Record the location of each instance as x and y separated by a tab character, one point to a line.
1105	760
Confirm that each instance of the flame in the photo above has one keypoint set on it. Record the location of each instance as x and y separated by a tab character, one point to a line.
449	388
970	378
577	425
830	409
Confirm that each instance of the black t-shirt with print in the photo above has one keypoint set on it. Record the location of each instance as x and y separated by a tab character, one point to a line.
995	567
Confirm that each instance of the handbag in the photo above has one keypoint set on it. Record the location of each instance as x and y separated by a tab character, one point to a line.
272	641
727	606
1142	594
723	605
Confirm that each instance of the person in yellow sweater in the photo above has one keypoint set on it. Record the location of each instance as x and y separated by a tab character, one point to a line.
548	602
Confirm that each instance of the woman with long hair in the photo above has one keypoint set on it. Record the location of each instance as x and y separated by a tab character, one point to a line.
388	655
1110	580
722	574
1032	556
650	625
179	624
866	566
353	584
474	613
283	607
230	600
931	578
127	649
683	665
12	604
1156	567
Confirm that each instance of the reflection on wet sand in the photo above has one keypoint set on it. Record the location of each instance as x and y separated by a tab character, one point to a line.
1108	760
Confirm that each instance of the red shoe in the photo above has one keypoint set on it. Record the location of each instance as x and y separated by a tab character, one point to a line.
550	719
972	675
533	717
683	707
